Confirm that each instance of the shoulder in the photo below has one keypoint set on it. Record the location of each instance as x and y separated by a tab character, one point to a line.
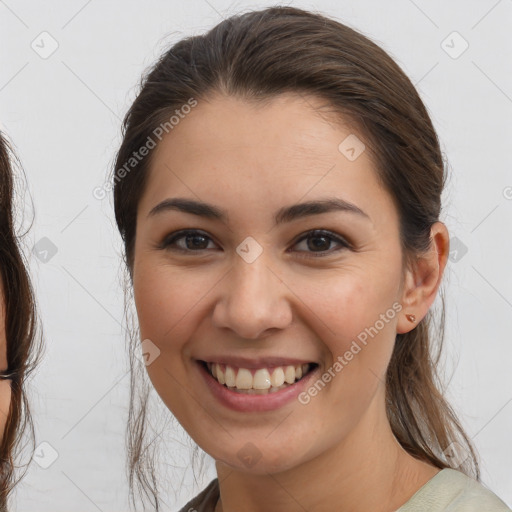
206	500
453	491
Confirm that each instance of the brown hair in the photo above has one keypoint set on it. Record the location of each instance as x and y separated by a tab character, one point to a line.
257	56
21	327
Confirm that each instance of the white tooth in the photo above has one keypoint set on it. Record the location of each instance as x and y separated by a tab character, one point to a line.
289	374
244	379
277	377
219	373
230	377
261	379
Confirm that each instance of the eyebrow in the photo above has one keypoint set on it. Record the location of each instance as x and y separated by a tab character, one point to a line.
285	214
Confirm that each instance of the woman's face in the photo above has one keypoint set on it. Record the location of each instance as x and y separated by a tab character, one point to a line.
250	293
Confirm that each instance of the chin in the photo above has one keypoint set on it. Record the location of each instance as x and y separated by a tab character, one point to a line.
252	460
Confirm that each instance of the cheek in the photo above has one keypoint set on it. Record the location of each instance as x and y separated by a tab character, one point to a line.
353	315
344	305
167	300
170	304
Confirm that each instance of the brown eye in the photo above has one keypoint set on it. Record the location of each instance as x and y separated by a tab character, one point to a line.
186	241
319	242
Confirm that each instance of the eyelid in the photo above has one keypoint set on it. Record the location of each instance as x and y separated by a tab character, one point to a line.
342	241
176	235
323	232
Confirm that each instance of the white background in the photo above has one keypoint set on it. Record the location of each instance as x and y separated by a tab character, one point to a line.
64	114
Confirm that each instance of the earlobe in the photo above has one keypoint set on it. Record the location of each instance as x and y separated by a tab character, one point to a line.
423	280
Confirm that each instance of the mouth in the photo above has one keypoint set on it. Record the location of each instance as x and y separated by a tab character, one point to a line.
258	381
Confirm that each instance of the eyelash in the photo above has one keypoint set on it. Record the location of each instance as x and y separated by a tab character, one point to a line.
166	244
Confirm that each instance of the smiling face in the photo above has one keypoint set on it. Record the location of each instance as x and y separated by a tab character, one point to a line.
301	290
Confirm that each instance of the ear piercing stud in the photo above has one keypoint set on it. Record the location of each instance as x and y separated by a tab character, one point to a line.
411	318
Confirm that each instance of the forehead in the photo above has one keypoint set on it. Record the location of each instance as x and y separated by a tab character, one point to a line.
290	126
262	155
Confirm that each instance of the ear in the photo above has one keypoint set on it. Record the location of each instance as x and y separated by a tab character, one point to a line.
422	281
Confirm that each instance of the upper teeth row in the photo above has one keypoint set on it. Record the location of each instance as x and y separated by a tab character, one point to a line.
262	379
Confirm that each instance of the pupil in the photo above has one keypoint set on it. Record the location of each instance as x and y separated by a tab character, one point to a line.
195	241
321	245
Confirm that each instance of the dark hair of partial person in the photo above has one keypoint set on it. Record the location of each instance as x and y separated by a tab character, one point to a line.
256	56
24	345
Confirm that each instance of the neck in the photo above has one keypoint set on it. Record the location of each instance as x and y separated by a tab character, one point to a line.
367	470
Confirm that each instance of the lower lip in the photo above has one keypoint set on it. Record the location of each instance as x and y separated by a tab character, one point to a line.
243	402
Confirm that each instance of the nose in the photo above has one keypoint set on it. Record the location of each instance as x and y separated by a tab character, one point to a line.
253	300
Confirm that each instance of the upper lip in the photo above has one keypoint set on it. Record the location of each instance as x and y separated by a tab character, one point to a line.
257	362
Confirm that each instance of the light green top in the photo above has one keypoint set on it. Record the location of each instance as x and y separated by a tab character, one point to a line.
447	491
453	491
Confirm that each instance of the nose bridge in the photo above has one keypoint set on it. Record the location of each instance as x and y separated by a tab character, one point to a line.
253	300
